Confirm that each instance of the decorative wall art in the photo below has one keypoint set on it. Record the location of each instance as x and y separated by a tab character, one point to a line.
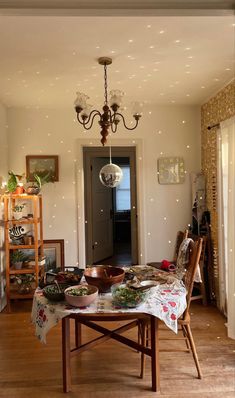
54	253
171	170
45	166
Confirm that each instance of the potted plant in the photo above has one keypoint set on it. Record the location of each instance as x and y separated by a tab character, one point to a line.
15	184
17	211
24	283
17	259
35	187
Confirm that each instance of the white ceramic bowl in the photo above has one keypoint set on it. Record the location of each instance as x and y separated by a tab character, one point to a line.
81	301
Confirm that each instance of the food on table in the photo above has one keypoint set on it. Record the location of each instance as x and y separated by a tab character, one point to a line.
81	295
52	289
54	292
142	272
123	296
67	277
80	291
104	276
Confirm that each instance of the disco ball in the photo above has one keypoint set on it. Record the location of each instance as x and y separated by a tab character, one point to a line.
111	175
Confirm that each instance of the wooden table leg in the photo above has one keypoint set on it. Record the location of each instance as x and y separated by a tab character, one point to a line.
78	333
66	360
155	354
143	343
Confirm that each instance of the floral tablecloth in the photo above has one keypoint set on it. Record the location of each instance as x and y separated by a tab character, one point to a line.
165	301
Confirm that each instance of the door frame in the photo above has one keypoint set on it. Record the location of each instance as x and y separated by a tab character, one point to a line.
100	152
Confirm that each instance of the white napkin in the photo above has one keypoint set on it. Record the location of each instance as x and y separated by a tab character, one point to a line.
183	259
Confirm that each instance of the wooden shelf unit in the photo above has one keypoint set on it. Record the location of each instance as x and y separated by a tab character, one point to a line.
9	201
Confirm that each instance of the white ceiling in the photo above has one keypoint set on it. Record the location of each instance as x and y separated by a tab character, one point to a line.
165	60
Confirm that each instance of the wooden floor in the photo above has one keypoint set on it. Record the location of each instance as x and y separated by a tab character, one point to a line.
111	370
121	256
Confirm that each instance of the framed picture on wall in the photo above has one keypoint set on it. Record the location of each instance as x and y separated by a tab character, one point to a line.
171	170
54	253
42	165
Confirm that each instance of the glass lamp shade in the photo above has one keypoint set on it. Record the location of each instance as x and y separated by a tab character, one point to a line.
111	175
86	111
116	97
81	100
137	108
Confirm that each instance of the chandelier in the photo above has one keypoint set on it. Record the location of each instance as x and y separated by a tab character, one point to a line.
110	117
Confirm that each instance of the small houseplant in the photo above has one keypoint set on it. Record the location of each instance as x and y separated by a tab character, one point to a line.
15	184
24	283
35	187
17	211
17	259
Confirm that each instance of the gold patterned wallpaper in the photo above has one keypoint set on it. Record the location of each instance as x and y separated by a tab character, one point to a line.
216	110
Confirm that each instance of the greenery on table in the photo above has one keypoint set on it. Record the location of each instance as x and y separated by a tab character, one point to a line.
126	297
81	291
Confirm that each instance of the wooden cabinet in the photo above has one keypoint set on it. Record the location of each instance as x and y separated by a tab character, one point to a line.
24	235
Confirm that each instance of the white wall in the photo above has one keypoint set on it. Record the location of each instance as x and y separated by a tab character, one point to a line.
56	132
3	144
3	178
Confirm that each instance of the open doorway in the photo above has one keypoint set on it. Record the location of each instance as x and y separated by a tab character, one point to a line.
111	219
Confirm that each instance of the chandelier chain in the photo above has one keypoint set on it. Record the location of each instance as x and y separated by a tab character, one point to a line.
105	85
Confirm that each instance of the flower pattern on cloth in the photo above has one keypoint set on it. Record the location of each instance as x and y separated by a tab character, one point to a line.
165	301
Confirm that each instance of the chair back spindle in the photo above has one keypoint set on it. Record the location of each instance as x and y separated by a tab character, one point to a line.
194	257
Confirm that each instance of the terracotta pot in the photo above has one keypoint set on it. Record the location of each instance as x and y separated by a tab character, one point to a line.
19	190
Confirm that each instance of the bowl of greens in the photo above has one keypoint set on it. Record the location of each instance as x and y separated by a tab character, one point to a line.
126	297
81	295
54	292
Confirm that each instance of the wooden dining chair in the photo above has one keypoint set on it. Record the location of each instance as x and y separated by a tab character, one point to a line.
181	235
184	322
200	291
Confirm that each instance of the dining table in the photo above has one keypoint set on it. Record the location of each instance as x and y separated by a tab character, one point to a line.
165	301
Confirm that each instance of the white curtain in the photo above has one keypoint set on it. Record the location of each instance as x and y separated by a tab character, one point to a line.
226	220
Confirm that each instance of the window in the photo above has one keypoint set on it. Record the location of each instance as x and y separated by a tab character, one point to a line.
226	220
123	195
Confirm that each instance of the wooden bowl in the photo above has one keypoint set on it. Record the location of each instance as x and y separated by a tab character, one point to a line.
104	277
81	301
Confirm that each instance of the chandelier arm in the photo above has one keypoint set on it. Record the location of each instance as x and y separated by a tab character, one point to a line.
124	122
90	119
112	124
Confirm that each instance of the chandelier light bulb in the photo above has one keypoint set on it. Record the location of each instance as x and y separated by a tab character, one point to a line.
111	115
